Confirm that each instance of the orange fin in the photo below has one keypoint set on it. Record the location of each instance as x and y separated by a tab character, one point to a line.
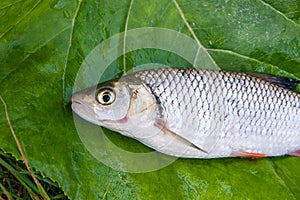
248	154
295	153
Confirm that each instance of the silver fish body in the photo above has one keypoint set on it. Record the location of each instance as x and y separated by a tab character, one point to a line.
198	113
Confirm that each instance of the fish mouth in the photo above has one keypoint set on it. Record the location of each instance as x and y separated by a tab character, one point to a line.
84	111
88	114
75	102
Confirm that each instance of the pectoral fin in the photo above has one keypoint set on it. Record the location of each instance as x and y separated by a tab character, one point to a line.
161	124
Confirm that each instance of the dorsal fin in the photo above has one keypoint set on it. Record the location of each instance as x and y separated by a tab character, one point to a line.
284	82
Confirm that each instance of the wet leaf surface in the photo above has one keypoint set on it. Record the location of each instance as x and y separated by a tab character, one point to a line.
43	43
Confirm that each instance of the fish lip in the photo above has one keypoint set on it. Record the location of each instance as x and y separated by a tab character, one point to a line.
76	102
83	115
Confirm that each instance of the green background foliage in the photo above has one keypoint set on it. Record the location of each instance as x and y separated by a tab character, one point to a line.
43	43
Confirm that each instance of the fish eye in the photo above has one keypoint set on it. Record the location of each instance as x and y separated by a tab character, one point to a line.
106	96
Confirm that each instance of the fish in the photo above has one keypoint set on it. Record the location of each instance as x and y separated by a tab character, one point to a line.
198	113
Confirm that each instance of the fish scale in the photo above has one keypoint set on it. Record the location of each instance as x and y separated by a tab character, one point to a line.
199	113
252	124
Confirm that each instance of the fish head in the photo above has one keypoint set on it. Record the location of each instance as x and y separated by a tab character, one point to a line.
123	106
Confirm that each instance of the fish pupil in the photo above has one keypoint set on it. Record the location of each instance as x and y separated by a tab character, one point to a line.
106	97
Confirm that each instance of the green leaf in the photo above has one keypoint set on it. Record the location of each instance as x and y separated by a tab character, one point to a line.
42	46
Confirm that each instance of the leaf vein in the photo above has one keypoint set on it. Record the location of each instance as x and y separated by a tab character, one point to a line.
20	20
249	58
7	74
33	51
69	46
106	190
194	35
279	12
11	4
125	34
46	42
274	166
